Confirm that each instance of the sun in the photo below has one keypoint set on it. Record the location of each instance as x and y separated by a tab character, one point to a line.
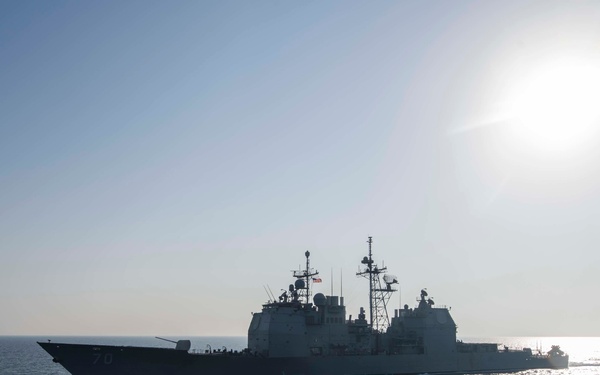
557	107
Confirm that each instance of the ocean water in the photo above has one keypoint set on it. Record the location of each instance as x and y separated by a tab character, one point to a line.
20	355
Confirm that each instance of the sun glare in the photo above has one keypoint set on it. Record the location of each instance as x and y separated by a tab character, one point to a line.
557	107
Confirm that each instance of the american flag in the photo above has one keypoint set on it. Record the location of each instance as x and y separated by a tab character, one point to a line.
317	280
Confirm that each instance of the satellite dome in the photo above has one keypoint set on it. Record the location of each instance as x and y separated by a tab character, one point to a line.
390	279
299	284
319	299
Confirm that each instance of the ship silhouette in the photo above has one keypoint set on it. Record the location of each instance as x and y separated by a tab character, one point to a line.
300	334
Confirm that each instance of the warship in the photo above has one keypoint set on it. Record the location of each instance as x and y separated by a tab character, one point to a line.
296	335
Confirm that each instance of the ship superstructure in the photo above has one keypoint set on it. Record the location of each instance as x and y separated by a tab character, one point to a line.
419	339
293	327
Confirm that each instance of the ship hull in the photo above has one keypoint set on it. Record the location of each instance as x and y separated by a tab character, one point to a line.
123	360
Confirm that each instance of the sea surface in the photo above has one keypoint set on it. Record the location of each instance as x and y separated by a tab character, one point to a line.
21	355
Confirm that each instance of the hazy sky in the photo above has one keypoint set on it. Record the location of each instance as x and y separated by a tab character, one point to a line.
161	162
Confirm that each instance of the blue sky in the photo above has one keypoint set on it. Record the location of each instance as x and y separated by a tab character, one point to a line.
160	162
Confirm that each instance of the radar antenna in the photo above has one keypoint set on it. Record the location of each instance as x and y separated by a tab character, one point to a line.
378	295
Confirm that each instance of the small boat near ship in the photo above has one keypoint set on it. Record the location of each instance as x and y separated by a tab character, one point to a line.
301	334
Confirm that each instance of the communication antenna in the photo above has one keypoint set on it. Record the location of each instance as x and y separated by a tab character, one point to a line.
332	281
400	296
270	296
270	291
341	283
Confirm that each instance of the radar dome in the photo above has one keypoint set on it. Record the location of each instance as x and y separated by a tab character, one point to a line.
299	284
390	279
319	299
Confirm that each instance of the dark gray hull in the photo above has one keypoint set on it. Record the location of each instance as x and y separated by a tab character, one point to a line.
121	360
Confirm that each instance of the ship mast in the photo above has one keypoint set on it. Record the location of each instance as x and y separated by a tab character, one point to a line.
378	295
307	255
307	275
